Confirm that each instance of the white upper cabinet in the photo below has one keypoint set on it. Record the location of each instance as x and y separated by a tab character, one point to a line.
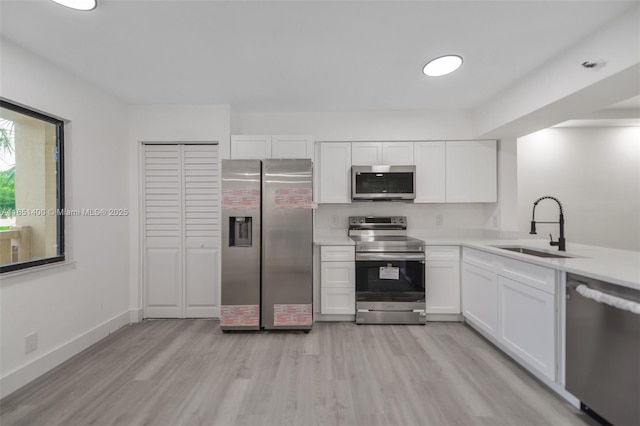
292	146
366	153
430	159
390	153
258	147
334	172
397	153
484	186
250	147
471	171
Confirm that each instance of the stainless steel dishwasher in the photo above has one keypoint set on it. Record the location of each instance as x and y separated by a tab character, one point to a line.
603	349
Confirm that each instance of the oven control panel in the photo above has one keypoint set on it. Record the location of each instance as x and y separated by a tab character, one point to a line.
380	222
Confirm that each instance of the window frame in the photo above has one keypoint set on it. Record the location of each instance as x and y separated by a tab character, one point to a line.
60	192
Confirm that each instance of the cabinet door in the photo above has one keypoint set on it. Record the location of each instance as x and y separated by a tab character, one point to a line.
337	288
292	146
250	147
484	183
443	287
527	324
459	171
366	153
335	172
480	298
429	159
398	153
471	171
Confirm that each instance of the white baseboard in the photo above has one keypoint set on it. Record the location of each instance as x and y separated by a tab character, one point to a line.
445	318
16	379
135	315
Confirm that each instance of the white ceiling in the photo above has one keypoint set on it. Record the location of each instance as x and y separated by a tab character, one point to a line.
303	55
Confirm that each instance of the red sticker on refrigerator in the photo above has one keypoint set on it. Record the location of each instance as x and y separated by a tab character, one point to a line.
239	315
292	314
240	199
294	198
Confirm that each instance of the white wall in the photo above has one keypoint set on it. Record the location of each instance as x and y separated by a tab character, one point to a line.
352	126
594	172
71	306
165	123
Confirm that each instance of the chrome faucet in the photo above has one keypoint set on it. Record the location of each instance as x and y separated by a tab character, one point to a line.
561	241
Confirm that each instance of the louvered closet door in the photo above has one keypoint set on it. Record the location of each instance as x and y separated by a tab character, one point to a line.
201	170
181	231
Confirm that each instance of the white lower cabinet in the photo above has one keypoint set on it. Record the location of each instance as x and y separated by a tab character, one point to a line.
480	298
337	280
515	304
442	279
527	324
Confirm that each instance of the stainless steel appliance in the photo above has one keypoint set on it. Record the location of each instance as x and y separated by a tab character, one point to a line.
267	244
241	245
379	183
390	271
603	348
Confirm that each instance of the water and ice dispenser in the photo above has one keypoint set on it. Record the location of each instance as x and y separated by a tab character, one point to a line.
240	234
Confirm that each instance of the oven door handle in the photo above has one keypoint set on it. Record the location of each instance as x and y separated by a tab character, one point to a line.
390	256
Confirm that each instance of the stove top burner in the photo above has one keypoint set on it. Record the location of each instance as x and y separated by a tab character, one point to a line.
382	234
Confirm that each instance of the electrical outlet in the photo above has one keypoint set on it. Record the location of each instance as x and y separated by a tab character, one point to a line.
31	343
335	221
439	220
495	221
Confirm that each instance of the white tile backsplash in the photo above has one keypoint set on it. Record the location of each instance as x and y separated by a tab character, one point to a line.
438	220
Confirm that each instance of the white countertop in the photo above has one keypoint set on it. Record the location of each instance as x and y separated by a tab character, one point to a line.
621	267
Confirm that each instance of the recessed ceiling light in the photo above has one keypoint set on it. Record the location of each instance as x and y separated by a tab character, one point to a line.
78	4
442	65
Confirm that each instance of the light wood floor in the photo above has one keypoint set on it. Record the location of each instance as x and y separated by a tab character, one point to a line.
187	372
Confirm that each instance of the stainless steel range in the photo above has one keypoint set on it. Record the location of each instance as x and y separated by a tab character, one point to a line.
390	266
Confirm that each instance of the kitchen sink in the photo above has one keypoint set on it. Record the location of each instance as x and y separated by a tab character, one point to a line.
532	252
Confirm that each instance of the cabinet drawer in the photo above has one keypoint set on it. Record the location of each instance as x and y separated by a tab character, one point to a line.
442	253
337	253
479	258
341	301
527	273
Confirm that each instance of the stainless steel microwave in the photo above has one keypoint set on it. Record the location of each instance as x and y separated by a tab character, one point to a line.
378	183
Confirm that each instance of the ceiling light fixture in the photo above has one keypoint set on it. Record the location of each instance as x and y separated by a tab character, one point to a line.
78	4
442	65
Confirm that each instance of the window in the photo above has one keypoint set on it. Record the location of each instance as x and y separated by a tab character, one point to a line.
31	188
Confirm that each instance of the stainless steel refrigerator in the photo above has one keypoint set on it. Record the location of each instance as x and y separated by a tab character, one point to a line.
267	243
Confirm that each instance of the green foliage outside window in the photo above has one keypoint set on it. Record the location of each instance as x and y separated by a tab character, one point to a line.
7	175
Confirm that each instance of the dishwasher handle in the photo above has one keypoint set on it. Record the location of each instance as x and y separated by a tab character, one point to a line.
614	301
